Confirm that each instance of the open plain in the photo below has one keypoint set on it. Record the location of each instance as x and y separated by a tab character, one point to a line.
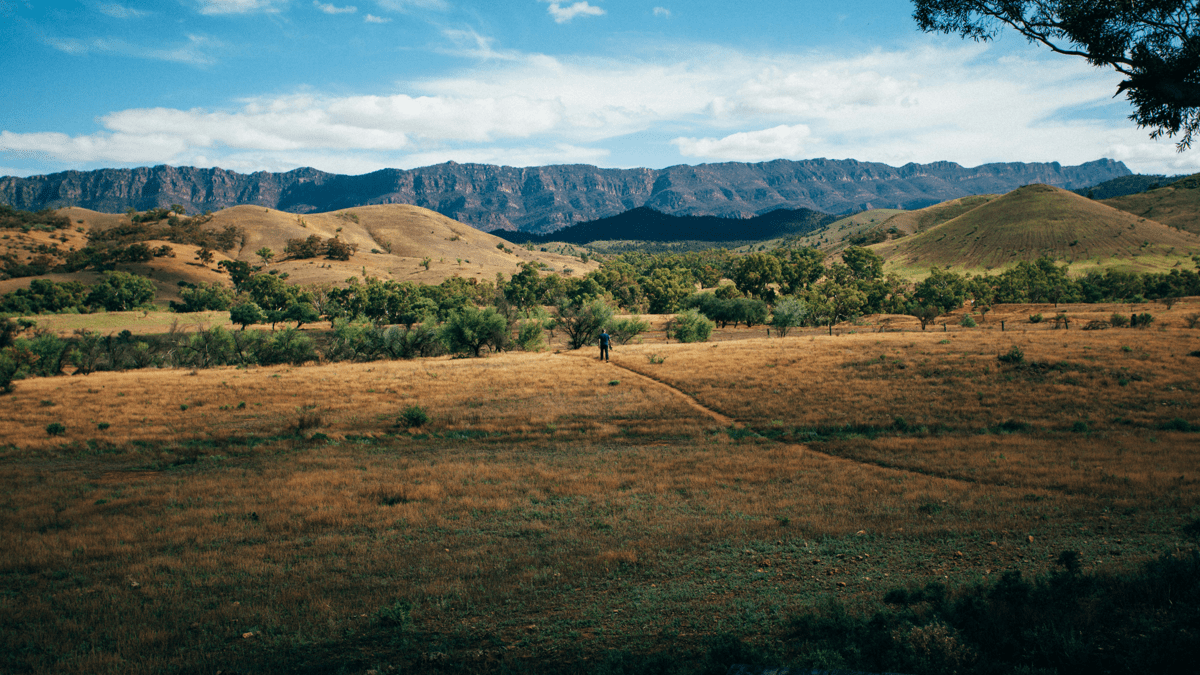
555	510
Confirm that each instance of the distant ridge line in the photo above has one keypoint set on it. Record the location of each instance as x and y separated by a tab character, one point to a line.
544	199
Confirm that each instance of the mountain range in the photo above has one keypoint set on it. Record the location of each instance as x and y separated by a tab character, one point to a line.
540	200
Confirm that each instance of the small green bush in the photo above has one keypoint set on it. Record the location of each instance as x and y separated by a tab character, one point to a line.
1014	356
1118	320
56	429
1080	427
968	322
1140	320
413	416
690	326
1035	318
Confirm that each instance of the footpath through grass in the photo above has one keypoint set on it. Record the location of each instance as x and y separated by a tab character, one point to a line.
555	516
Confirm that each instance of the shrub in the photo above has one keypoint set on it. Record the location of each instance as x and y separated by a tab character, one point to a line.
1014	356
656	359
1096	325
968	322
1118	320
1035	318
471	329
1192	320
690	326
530	336
623	330
1140	320
789	313
56	429
287	346
9	365
413	416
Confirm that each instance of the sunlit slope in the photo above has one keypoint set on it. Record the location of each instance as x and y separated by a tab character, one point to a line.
912	222
1040	220
832	237
1177	205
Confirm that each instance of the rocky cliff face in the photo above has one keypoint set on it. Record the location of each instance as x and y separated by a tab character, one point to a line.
544	199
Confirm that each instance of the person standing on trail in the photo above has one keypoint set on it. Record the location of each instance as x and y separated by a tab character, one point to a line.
604	342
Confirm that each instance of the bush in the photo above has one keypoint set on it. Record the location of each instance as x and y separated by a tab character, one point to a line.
1140	320
690	326
1035	318
1096	325
789	313
1118	320
623	330
1014	356
530	336
9	365
56	429
1192	320
287	346
968	322
413	416
471	329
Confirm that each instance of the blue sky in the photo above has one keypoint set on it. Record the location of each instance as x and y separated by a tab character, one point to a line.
359	85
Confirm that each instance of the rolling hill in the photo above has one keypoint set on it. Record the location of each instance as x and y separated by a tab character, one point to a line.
1035	221
411	233
1176	205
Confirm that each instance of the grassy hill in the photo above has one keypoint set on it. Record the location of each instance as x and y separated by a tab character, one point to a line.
392	241
1035	221
832	237
1176	205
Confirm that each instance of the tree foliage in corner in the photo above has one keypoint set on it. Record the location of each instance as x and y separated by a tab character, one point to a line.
1155	44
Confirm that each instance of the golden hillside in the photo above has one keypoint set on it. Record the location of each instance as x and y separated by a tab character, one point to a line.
1040	220
1176	205
410	233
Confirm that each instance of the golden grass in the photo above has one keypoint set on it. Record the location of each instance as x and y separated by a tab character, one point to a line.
544	510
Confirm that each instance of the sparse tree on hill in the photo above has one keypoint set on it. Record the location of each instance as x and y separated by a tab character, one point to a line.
1153	43
265	254
204	255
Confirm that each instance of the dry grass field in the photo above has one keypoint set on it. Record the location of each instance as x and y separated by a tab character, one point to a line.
554	508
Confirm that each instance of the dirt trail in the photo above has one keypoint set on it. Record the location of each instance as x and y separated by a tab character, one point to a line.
730	422
722	419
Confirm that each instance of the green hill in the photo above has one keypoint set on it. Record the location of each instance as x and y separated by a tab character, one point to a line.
832	237
912	222
1040	220
1176	205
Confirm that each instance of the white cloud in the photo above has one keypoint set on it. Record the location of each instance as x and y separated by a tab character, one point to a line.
407	5
960	103
196	51
562	153
330	8
782	141
239	6
120	11
663	12
473	45
371	18
564	14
